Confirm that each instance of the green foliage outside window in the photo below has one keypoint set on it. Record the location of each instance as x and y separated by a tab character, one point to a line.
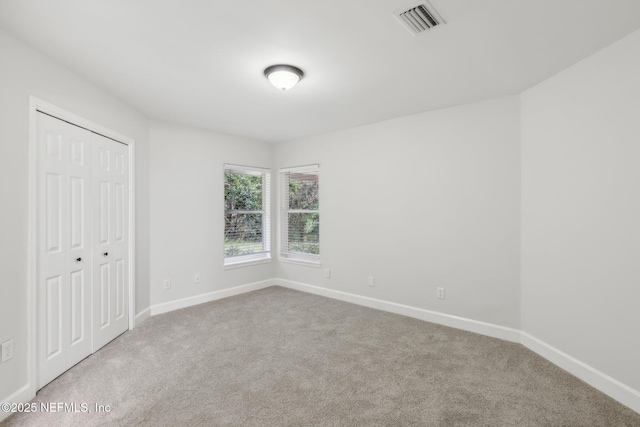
303	227
242	230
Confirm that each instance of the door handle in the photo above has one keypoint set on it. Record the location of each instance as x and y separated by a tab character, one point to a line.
106	254
79	260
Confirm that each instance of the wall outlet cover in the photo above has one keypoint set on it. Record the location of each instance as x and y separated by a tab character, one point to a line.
7	350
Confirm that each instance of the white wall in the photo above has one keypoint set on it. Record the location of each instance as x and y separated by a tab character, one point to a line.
25	72
420	202
187	205
581	211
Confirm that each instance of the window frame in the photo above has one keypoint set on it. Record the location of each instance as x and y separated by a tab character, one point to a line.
286	255
259	257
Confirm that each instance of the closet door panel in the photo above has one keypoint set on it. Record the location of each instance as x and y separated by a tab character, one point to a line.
111	285
63	312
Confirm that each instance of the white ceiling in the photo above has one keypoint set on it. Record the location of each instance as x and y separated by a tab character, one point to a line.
201	62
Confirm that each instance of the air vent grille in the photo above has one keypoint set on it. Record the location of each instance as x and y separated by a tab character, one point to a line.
419	19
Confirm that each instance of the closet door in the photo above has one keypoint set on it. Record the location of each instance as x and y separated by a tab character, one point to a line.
111	240
63	246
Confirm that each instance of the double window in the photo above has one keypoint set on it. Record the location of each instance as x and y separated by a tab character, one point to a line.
300	214
247	222
247	219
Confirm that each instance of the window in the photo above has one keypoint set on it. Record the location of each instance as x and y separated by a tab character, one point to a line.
247	223
300	215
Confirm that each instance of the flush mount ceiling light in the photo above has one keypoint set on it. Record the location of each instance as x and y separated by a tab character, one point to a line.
283	76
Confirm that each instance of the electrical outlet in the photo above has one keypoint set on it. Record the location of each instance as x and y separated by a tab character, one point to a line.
327	273
196	278
7	350
372	281
440	293
167	283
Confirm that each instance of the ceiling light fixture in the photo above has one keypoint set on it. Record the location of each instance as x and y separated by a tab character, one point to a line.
283	76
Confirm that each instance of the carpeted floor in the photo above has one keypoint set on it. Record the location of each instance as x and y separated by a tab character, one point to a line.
278	357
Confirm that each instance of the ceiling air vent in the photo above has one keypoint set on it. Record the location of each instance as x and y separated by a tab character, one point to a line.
419	19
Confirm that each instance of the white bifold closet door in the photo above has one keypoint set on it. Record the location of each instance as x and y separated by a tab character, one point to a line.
82	238
110	240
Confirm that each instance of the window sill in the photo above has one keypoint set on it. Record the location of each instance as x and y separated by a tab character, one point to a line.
308	263
248	263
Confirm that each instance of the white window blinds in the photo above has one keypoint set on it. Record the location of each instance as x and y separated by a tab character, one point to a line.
300	213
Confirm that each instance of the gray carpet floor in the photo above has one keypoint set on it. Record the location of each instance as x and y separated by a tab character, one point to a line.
278	357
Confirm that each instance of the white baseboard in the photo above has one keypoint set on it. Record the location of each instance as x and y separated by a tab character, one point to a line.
599	380
23	395
489	329
211	296
142	316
